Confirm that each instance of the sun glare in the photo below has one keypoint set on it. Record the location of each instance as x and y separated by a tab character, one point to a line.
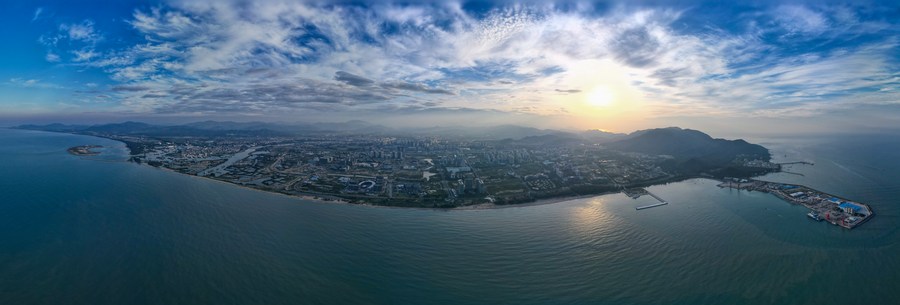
600	97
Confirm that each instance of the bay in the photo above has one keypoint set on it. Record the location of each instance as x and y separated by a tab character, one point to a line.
99	230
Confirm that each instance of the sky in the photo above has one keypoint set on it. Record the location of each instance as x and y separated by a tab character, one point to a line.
767	67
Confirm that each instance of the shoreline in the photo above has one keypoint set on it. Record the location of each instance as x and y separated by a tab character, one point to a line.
343	201
303	197
545	201
340	201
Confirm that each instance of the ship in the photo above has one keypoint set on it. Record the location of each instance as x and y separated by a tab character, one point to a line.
814	215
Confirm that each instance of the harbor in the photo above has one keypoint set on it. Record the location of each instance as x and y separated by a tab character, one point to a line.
823	206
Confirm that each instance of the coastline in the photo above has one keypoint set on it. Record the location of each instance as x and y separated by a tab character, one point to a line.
483	206
303	197
338	200
545	201
334	199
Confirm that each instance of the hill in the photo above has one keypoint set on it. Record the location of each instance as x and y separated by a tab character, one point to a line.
692	151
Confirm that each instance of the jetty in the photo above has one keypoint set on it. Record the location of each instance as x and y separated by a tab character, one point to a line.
661	201
651	206
834	209
796	162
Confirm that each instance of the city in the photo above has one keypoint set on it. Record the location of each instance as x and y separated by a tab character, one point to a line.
416	171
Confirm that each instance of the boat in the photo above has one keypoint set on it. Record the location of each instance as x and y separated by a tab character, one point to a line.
814	215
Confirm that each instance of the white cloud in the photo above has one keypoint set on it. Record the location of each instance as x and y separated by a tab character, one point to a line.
83	55
800	19
37	14
33	83
51	57
83	31
282	56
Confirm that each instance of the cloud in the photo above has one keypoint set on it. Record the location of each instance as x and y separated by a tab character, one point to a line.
24	82
284	57
636	47
797	19
83	55
416	88
130	88
83	31
79	38
33	83
51	57
37	14
351	79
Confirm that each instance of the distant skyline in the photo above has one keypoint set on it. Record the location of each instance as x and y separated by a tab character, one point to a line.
770	67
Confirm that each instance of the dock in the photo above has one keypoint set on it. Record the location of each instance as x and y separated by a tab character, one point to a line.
834	209
661	202
651	206
796	162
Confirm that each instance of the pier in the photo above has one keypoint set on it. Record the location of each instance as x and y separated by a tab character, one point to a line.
796	162
661	202
793	173
651	206
836	210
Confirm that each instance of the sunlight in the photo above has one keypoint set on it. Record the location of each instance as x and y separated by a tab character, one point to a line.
601	96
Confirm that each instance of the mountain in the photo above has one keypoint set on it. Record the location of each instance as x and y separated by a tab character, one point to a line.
531	136
56	127
498	132
121	128
350	127
693	151
228	125
557	139
599	136
203	129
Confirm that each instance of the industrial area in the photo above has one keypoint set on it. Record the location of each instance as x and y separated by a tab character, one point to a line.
823	206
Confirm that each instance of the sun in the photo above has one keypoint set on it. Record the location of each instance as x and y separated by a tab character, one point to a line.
600	97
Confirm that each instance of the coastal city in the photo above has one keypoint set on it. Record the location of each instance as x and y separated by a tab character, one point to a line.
441	171
414	171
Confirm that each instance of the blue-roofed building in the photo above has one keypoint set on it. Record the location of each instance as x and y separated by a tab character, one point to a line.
849	207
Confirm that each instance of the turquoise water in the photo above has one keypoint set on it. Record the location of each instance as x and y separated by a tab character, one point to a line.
98	230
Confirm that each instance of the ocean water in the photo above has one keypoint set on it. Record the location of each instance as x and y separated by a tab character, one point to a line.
99	230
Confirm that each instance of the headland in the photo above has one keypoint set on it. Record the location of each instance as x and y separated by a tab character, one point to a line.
84	150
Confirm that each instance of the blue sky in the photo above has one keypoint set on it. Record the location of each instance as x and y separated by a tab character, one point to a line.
801	66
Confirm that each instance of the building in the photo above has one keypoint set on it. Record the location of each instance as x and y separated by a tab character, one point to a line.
479	186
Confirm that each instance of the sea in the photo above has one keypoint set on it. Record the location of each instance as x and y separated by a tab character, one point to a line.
100	230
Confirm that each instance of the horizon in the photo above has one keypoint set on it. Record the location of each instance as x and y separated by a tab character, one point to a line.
798	68
753	137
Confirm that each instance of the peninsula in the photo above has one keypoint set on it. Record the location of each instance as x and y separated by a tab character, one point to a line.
84	150
823	206
436	167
